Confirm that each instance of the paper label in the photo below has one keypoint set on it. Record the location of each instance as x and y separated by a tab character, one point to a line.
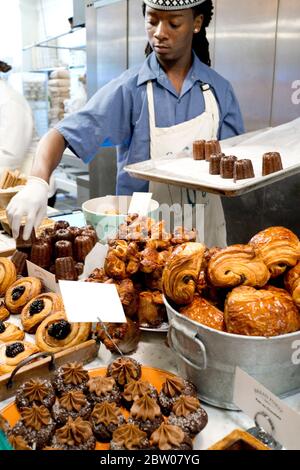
140	203
89	301
271	413
48	279
95	259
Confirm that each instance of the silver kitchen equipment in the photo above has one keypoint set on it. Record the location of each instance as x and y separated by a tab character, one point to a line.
209	357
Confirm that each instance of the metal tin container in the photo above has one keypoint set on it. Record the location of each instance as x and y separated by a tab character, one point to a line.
209	358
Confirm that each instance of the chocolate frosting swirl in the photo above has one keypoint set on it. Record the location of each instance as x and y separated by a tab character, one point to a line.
145	408
36	417
135	389
73	373
129	436
185	405
167	437
173	386
74	432
35	390
106	413
18	443
101	385
124	371
73	401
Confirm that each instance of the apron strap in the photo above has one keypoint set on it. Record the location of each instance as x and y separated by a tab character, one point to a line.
211	107
151	105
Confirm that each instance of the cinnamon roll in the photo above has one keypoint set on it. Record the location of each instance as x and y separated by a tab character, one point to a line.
55	333
13	352
39	308
8	274
21	292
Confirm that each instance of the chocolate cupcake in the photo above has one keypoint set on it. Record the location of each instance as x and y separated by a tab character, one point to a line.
123	370
63	249
74	404
135	389
18	443
74	435
65	269
105	419
101	389
169	437
70	376
129	437
146	414
188	414
171	390
35	392
36	426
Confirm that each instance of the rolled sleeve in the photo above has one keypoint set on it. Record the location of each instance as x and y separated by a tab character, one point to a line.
232	122
104	121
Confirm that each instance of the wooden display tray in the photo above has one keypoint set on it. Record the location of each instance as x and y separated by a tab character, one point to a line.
239	440
84	352
150	374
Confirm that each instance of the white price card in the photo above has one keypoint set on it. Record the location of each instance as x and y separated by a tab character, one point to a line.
48	279
95	259
267	410
140	203
89	301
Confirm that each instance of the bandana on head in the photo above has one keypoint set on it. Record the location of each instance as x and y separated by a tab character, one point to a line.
173	4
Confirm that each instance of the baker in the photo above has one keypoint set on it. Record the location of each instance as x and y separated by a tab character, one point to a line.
162	106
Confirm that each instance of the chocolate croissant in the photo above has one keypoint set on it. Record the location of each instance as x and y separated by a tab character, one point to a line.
278	247
237	265
292	283
182	272
201	311
266	312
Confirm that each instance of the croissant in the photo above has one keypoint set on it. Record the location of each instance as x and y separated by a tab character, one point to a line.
125	335
38	309
129	297
55	333
292	283
151	312
182	271
201	311
122	260
13	352
237	265
8	274
278	247
21	292
267	312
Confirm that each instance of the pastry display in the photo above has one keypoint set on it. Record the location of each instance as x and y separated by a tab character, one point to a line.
171	390
74	435
13	352
271	162
35	392
146	414
70	377
279	248
103	389
243	169
122	260
21	292
170	437
151	311
125	335
188	415
105	419
237	265
10	332
266	312
292	284
39	308
55	333
36	426
227	166
123	370
8	274
135	390
129	437
4	312
203	312
19	259
72	404
182	271
199	150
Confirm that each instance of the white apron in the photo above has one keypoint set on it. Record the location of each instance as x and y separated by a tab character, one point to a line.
168	140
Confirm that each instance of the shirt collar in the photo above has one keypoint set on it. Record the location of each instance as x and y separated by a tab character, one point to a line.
151	70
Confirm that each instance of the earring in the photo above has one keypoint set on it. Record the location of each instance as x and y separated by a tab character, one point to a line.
196	30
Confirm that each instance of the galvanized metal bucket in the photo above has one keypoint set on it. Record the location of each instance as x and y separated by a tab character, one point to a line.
209	358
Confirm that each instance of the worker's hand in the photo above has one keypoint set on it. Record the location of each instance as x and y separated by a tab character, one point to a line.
30	202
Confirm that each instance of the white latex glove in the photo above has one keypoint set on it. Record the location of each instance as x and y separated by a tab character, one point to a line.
30	202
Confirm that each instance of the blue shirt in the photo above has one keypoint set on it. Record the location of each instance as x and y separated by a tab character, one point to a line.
117	115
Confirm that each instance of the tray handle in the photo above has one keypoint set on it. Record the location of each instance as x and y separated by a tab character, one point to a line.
28	360
176	326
